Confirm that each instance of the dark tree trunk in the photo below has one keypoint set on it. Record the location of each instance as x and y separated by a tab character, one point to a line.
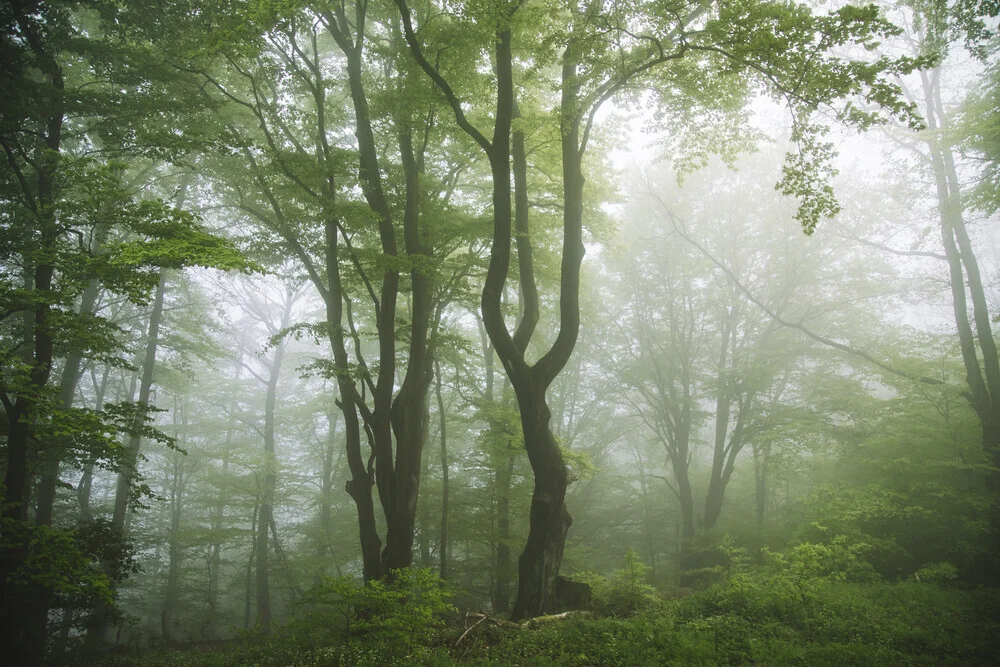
504	562
127	474
359	487
549	521
24	608
84	488
410	408
983	380
68	381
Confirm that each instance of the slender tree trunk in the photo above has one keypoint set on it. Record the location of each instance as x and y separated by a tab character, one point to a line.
324	541
126	476
549	521
647	519
359	487
68	381
964	274
443	428
266	516
83	489
248	595
760	484
215	559
97	627
171	592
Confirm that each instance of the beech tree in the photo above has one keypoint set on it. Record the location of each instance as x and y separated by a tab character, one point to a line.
692	55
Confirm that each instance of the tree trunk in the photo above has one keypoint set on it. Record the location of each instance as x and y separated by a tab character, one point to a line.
84	488
359	487
549	521
68	381
325	537
97	626
270	478
173	549
983	381
760	488
248	580
443	418
215	559
504	563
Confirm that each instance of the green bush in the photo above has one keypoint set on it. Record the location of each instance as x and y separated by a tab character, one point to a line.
394	619
625	592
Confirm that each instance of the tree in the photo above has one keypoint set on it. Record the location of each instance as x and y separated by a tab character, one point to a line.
61	200
602	52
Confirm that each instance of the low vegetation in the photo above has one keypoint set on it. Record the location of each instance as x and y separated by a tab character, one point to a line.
811	605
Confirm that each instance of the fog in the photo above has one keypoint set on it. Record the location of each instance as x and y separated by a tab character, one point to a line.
499	333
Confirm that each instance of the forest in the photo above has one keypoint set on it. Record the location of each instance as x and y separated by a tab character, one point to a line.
499	332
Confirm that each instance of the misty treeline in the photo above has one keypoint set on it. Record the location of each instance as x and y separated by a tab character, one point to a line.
313	312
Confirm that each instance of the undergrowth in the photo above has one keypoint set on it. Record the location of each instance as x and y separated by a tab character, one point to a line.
812	605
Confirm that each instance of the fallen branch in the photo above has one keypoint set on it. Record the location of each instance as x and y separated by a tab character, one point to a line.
544	620
483	618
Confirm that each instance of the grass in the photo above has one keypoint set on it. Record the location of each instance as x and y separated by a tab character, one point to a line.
729	624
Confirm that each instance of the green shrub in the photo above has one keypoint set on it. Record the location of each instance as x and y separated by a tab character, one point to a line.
391	619
625	592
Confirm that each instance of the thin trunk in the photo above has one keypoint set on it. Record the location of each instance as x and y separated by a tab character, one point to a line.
549	522
249	580
293	591
270	478
215	559
171	592
647	519
84	488
425	523
324	542
983	380
97	627
760	456
443	424
218	512
68	381
130	461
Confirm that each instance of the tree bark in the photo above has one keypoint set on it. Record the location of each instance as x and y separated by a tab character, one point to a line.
443	428
97	626
68	381
966	283
171	591
270	477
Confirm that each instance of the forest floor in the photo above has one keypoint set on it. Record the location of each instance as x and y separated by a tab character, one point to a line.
733	624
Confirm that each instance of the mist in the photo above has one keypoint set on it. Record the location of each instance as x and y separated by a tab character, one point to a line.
587	333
